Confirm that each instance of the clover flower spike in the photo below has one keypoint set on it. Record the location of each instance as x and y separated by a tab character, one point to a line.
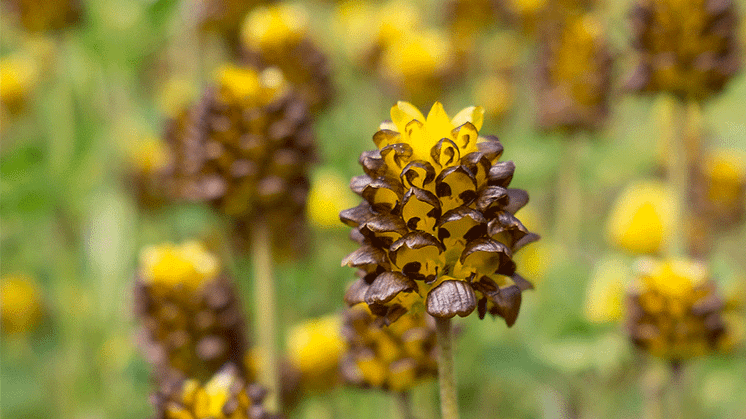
246	148
574	75
226	395
315	348
437	226
21	305
191	317
674	310
688	48
394	357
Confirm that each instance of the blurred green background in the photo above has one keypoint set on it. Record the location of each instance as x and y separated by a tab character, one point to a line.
69	222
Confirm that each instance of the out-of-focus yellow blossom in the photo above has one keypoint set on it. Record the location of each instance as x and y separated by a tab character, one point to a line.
352	26
249	88
169	265
394	357
641	218
534	259
726	171
148	155
329	195
604	300
418	63
674	310
176	96
18	77
397	20
275	27
315	348
21	304
226	395
496	93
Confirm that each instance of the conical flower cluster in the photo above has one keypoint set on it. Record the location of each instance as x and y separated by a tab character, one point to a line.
393	357
574	75
42	16
226	395
436	227
21	305
674	311
688	48
719	190
246	148
191	318
277	35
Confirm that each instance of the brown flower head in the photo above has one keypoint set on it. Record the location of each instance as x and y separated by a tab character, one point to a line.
191	318
688	48
393	357
226	395
246	148
436	227
674	310
574	75
42	16
277	35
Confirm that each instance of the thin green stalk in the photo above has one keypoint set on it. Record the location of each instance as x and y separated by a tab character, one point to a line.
678	179
676	391
446	373
265	320
404	401
653	391
568	194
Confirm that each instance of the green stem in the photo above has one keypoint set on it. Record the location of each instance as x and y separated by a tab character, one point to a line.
653	390
677	391
266	321
568	213
678	179
405	404
446	373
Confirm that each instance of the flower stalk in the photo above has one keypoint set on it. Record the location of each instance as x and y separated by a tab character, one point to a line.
446	371
677	177
265	308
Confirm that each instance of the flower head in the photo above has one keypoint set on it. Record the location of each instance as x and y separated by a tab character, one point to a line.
685	47
574	75
720	187
394	357
21	306
328	196
246	148
226	395
277	35
641	218
315	348
673	310
436	226
191	317
44	16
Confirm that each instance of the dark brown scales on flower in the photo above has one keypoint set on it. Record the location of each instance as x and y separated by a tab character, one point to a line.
43	16
688	48
574	75
394	357
246	148
191	318
225	395
277	35
674	312
436	226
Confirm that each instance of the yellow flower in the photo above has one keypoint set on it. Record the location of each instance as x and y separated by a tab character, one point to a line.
170	265
674	310
417	62
328	196
275	27
394	357
249	88
497	94
20	304
191	317
225	396
18	76
725	169
641	218
315	348
436	224
175	96
149	155
604	301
